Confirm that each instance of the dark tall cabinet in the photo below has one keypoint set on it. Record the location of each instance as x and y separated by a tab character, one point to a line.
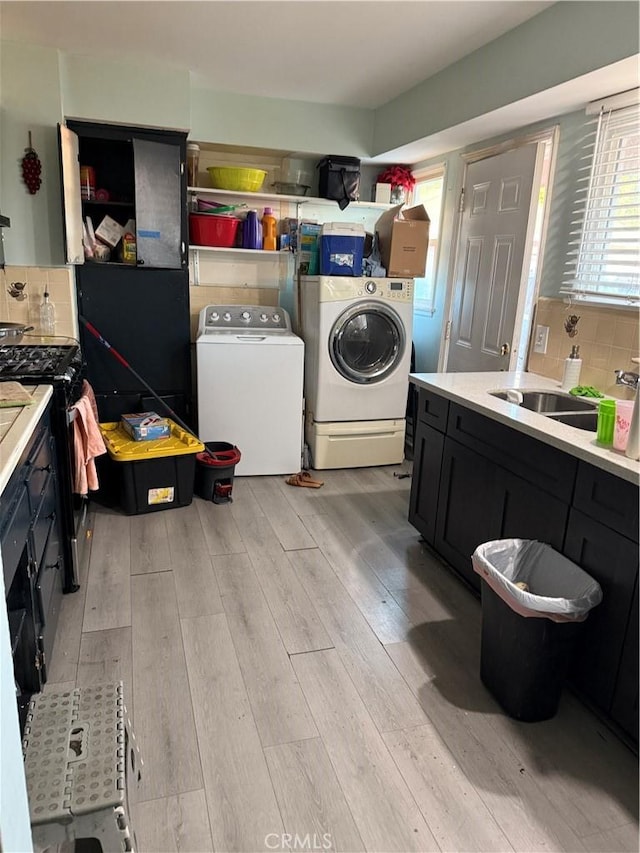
141	309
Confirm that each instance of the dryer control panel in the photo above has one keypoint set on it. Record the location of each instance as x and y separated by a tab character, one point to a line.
339	288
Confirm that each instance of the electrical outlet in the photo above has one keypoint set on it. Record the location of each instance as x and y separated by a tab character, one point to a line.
542	337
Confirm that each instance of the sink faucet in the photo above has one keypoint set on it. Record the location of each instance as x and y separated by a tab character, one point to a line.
627	377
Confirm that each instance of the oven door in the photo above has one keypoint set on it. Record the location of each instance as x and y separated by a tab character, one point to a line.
81	531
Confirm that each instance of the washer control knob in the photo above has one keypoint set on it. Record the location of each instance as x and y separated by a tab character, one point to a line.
263	318
276	318
370	287
226	316
246	315
214	316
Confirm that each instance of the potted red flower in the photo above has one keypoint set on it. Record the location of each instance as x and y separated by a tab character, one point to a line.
401	180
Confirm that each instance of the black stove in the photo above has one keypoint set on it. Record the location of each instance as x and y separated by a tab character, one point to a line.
62	367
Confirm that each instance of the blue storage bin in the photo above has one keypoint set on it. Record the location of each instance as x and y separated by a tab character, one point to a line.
341	248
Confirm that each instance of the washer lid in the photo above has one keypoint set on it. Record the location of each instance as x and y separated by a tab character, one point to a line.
367	342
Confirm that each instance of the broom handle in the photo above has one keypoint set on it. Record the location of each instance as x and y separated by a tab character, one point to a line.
114	352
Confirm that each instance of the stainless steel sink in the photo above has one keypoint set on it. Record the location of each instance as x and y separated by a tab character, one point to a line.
545	402
582	420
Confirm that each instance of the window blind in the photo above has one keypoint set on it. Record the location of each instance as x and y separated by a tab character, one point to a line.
603	263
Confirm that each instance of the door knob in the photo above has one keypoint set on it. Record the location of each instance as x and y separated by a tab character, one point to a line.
505	349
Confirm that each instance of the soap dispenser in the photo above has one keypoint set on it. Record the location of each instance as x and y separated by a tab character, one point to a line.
572	366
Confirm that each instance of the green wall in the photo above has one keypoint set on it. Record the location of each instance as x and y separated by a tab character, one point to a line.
30	101
563	42
293	126
39	86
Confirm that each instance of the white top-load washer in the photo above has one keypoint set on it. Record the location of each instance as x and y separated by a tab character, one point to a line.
357	334
250	369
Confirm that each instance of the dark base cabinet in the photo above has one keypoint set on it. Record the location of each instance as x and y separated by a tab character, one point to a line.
428	446
32	561
468	507
475	480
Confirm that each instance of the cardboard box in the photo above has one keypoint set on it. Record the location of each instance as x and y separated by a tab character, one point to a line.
145	426
109	231
308	246
403	238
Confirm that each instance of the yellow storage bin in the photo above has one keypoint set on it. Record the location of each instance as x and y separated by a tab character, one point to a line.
122	448
152	475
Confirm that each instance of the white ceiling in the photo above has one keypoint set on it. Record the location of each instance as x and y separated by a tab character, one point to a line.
351	52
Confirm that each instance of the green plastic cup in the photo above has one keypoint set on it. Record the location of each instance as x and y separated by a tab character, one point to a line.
606	421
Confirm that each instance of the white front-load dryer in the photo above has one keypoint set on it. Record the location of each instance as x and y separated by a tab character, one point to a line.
357	334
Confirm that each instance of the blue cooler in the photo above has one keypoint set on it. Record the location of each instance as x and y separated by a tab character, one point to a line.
341	248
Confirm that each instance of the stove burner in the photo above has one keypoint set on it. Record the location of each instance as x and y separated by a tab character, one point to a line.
31	361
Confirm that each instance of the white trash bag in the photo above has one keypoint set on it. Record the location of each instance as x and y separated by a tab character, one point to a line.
535	580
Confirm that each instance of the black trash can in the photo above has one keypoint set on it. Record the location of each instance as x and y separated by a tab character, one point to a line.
215	470
534	601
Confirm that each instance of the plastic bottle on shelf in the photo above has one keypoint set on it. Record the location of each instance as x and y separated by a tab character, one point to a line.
47	316
269	230
572	366
193	159
252	231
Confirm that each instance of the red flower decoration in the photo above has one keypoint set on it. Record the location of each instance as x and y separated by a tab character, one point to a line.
397	176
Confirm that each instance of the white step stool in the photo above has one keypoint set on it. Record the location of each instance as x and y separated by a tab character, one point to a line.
82	766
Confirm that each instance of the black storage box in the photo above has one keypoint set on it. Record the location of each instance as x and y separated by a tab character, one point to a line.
339	179
155	484
214	473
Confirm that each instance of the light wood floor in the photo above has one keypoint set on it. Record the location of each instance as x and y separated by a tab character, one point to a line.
296	663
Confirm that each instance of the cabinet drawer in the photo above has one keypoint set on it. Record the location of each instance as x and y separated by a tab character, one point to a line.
433	410
14	534
38	468
551	470
608	499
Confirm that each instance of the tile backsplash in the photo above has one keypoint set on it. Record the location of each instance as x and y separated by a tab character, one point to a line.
59	283
608	339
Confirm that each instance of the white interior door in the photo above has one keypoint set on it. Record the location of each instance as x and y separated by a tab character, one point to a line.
491	250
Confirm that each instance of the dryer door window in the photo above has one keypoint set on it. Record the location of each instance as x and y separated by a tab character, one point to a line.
367	342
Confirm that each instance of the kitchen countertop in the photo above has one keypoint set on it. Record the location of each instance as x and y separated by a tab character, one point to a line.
16	428
472	390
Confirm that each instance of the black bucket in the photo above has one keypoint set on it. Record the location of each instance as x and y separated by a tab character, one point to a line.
214	471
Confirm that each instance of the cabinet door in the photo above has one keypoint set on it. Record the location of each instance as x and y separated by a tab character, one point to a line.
612	560
69	148
530	513
159	205
144	314
425	484
469	507
624	708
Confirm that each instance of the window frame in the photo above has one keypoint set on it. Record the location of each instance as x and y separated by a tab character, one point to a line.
427	306
598	200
